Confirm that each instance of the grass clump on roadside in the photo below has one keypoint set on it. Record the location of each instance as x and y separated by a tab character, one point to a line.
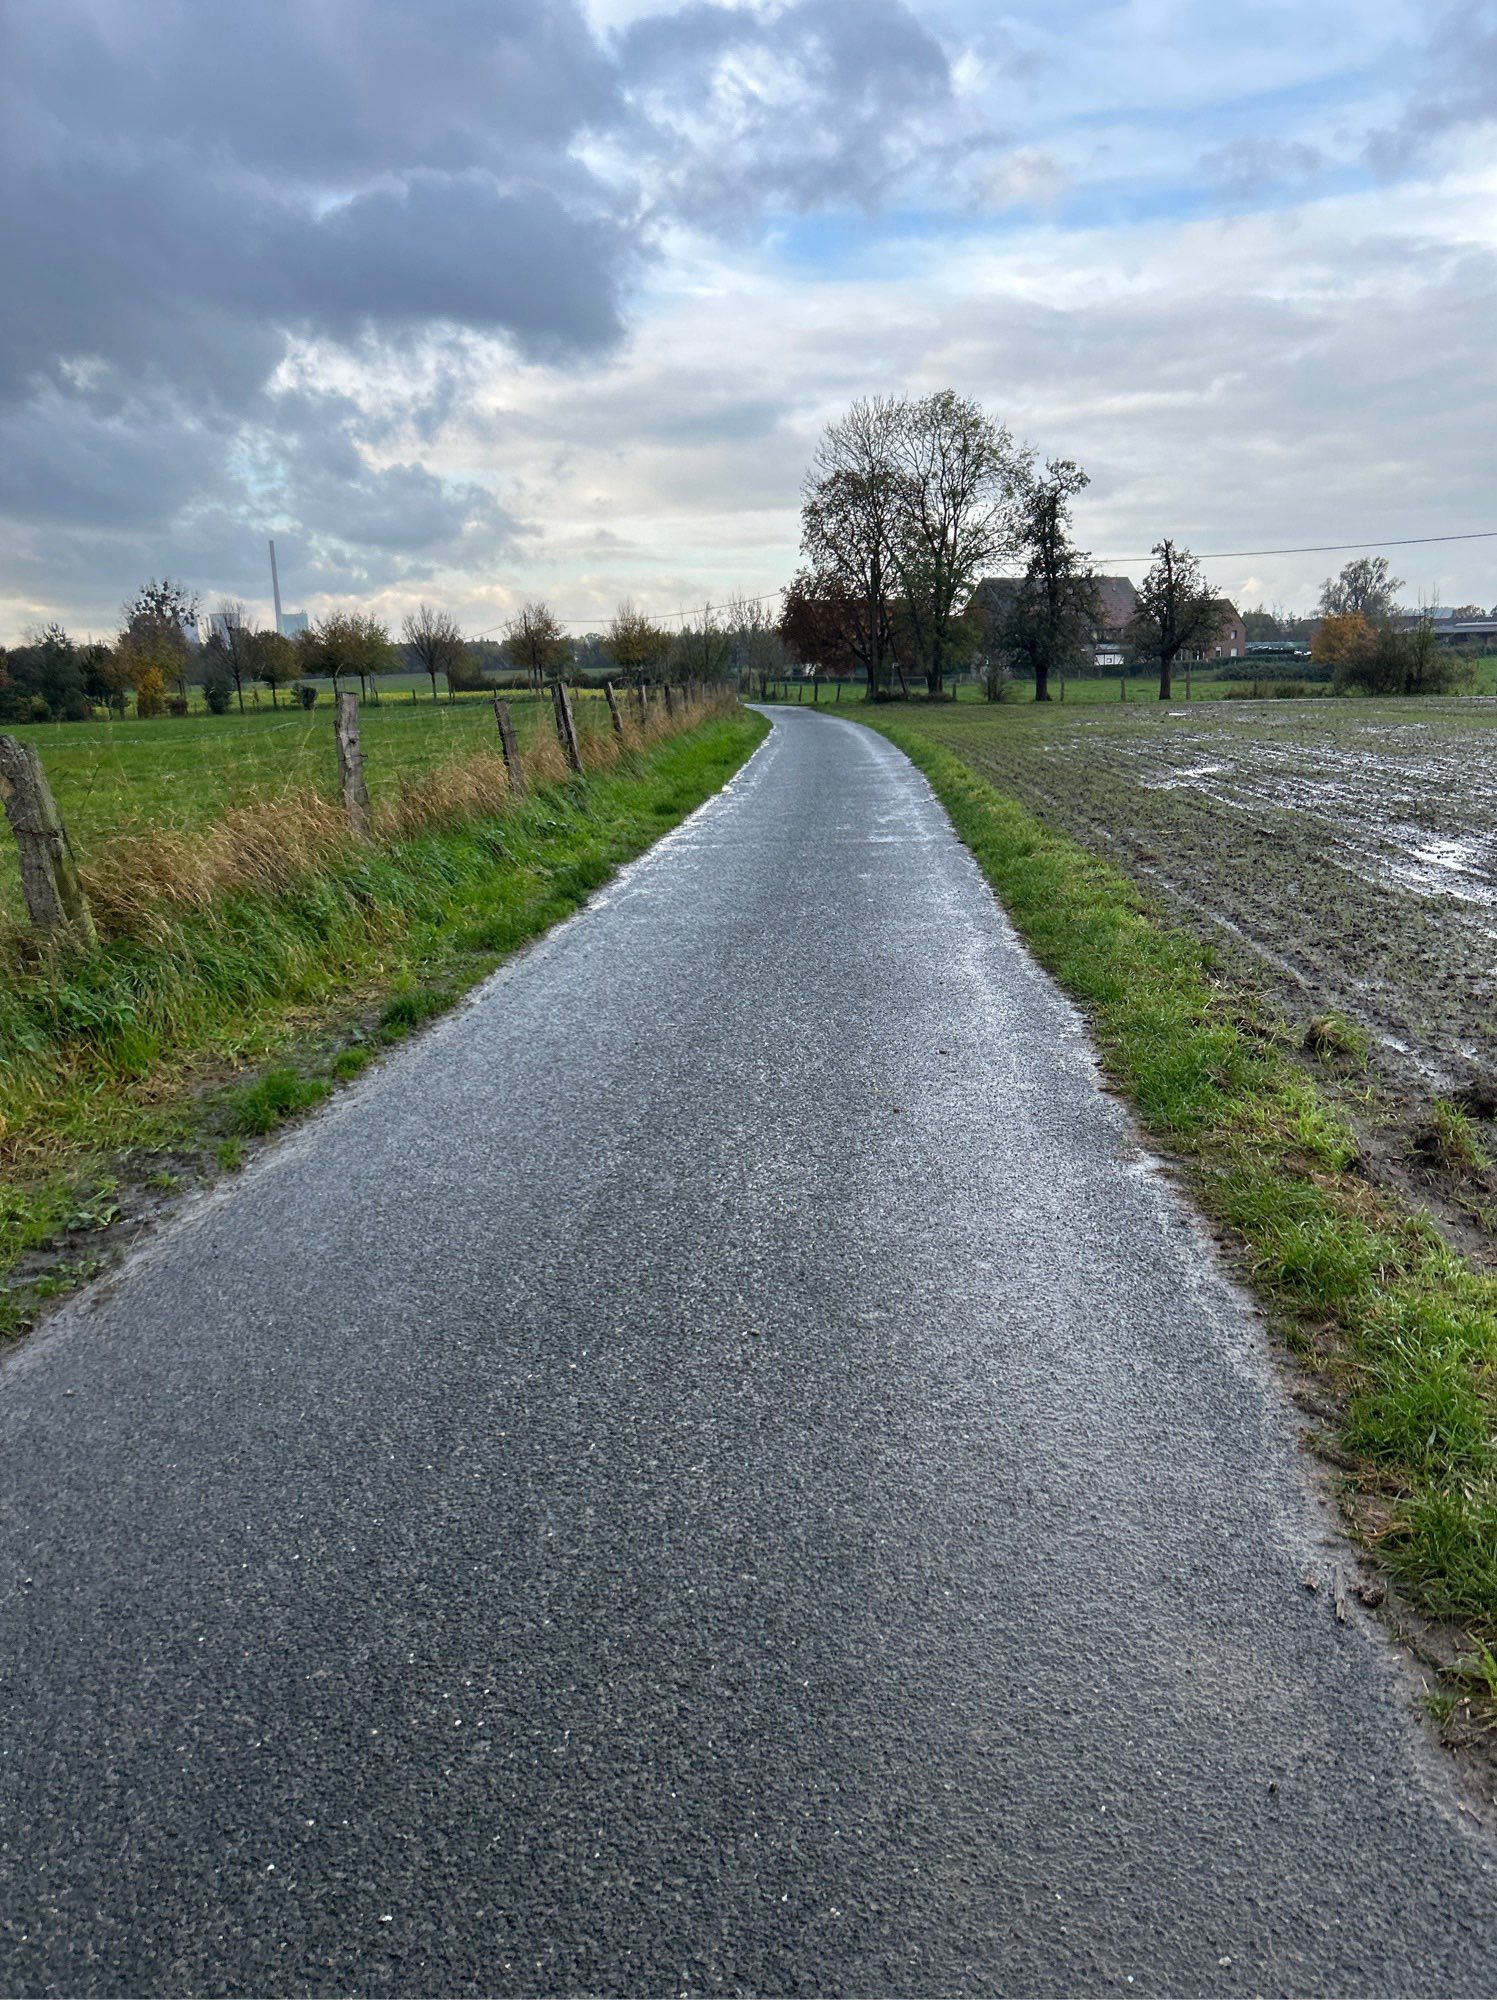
242	974
1370	1293
278	1095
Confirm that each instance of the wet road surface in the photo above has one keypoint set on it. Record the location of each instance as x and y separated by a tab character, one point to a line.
720	1467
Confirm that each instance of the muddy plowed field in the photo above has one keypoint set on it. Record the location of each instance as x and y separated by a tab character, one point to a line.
1345	851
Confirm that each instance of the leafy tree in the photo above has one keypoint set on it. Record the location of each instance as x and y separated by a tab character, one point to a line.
438	644
273	662
103	678
158	621
1260	623
1380	660
1343	637
346	642
535	643
1051	616
1367	586
44	679
1177	609
150	690
819	625
466	673
218	685
635	643
956	475
59	677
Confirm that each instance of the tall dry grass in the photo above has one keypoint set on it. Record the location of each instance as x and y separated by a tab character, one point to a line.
140	883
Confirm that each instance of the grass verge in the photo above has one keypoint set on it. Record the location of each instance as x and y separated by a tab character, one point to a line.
1396	1324
215	1012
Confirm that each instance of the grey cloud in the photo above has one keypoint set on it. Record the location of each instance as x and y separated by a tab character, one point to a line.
186	190
321	90
808	102
1456	86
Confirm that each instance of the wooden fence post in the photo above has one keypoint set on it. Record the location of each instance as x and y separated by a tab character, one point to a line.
351	763
613	710
508	745
670	707
644	700
566	728
49	880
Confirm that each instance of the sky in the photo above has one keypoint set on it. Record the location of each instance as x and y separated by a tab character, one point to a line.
477	301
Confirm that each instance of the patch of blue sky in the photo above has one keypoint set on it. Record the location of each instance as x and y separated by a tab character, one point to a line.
850	244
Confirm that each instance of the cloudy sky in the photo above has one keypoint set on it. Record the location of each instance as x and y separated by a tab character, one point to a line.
474	300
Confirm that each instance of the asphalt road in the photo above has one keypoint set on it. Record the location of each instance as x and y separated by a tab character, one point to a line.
722	1466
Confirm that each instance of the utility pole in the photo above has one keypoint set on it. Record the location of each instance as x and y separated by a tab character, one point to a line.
275	585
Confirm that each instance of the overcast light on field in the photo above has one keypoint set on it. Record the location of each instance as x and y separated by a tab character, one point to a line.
475	300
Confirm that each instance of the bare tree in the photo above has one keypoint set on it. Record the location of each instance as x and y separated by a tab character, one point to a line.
535	642
849	513
701	651
756	650
957	472
436	641
231	646
1177	609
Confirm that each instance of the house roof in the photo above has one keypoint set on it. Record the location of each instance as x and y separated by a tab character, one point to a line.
1118	599
994	593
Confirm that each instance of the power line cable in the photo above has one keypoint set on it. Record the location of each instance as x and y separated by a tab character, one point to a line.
1326	548
1223	555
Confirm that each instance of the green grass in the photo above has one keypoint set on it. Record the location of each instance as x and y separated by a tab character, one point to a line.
225	1021
278	1095
1205	685
1405	1330
184	771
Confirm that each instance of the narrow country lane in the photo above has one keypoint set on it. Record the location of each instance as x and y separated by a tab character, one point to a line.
720	1467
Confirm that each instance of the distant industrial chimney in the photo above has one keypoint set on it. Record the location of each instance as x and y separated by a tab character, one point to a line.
275	585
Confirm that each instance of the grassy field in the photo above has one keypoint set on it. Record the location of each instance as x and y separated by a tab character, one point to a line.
269	955
179	772
1140	691
1400	1329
